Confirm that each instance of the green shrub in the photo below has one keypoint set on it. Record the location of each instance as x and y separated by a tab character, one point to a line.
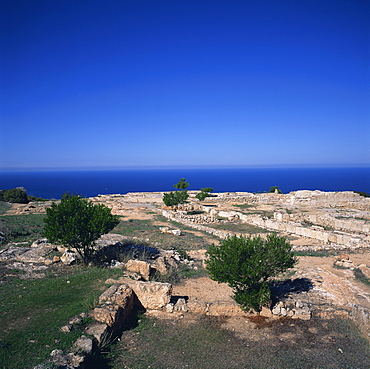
15	195
275	189
204	193
178	197
78	223
182	184
246	264
175	198
361	193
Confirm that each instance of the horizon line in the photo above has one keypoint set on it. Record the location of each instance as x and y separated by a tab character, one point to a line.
179	167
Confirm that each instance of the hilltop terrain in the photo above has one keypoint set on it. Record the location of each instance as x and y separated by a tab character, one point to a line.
330	231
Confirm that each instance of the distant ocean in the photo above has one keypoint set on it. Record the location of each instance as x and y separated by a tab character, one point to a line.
53	184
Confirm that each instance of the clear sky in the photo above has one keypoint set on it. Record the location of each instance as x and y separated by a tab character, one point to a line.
146	83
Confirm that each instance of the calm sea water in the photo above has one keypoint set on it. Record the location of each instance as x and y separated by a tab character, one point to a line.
52	185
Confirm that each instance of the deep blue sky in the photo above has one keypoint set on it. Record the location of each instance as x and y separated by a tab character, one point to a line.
132	83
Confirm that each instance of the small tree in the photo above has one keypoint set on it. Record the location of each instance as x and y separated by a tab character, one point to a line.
182	184
275	189
246	264
77	223
204	192
177	197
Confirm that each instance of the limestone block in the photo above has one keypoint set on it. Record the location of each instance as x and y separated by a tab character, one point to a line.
120	295
116	304
139	266
99	331
107	315
152	295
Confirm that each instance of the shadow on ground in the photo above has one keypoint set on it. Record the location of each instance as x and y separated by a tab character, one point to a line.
282	289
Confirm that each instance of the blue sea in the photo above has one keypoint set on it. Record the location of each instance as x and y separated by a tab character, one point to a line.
53	184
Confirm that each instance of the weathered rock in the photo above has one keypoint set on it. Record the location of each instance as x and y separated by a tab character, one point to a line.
365	270
99	331
66	328
164	263
83	345
181	305
107	315
68	258
116	304
139	266
120	295
296	310
164	229
152	295
66	361
170	307
75	320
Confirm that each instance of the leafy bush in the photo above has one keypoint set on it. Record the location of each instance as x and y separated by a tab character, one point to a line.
77	223
246	264
17	195
275	189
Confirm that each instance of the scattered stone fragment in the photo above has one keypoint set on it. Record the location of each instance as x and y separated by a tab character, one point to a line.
68	258
139	266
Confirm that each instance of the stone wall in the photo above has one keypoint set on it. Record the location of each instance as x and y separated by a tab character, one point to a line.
304	197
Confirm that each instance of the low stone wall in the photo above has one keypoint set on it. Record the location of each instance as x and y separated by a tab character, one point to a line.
303	197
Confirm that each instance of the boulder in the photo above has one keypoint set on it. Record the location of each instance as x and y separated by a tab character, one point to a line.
152	295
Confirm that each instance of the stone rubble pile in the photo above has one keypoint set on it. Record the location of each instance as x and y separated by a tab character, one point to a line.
292	309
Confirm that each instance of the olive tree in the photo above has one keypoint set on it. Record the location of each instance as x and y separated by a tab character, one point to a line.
246	264
77	223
